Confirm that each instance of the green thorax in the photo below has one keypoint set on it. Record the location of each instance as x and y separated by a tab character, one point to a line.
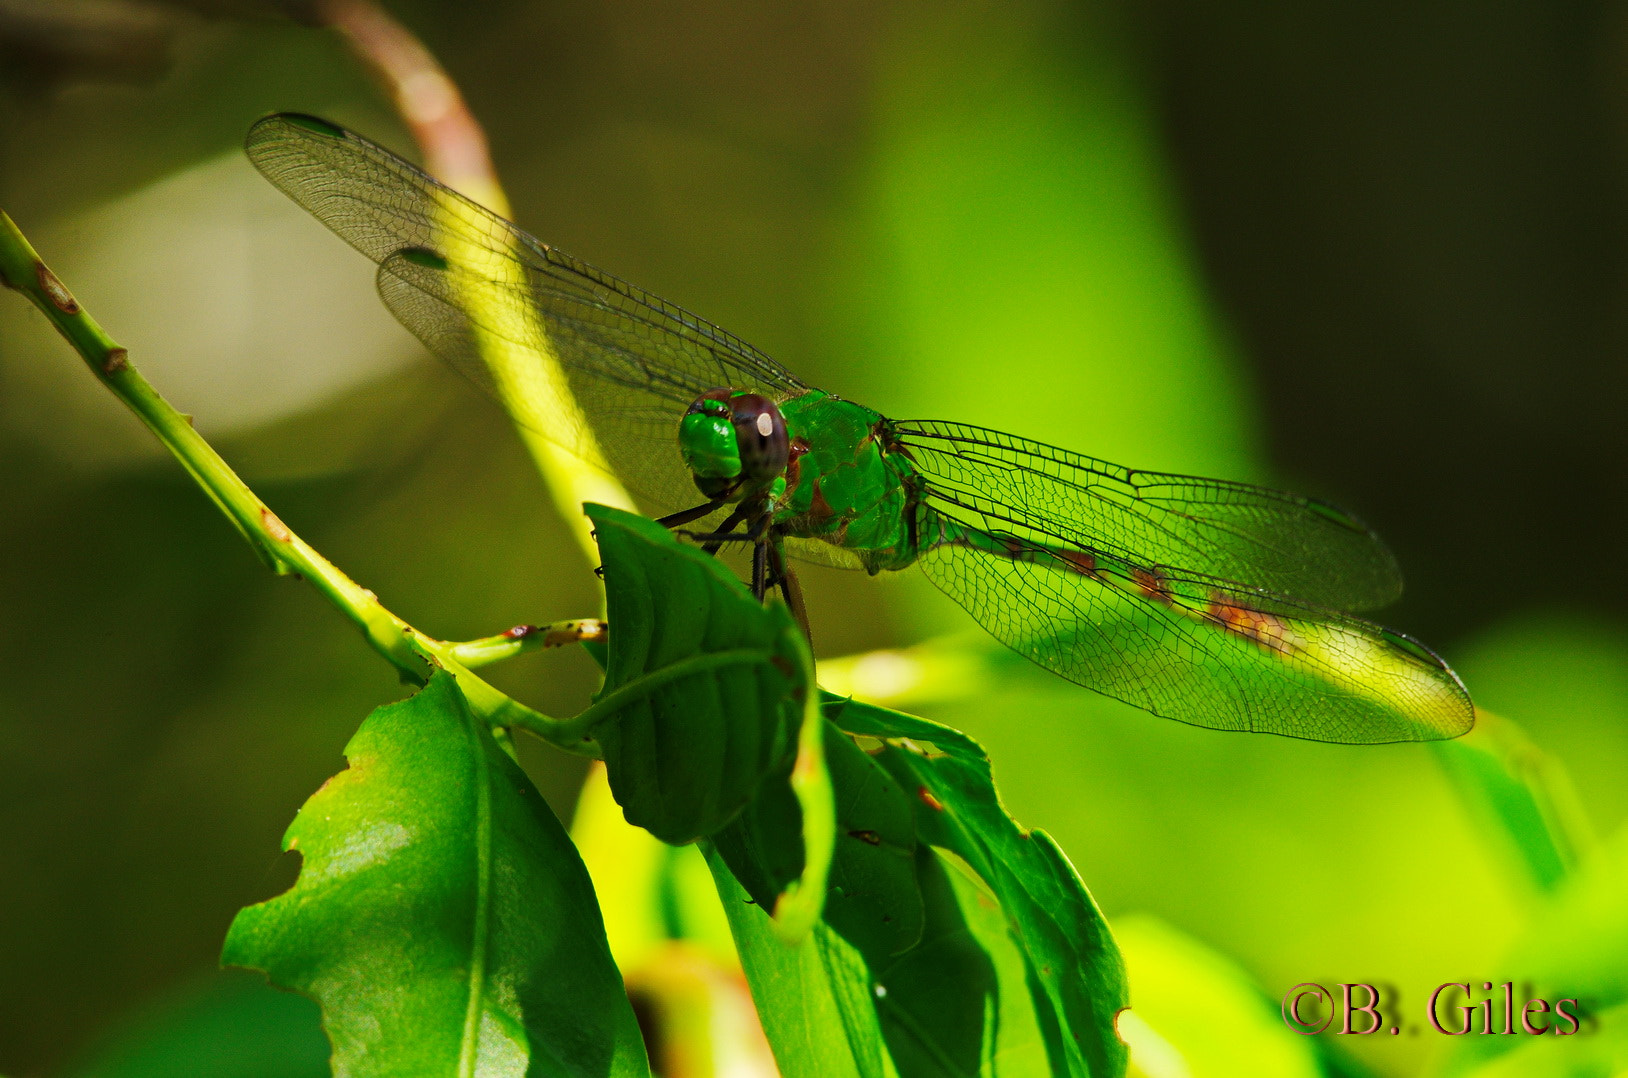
850	484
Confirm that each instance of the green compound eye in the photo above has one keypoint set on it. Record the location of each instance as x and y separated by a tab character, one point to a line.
708	445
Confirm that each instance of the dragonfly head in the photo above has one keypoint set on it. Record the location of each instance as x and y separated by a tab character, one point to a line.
734	443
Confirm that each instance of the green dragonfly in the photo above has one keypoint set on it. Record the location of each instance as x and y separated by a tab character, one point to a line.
1211	602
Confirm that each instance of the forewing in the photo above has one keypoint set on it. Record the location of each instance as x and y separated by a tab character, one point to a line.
486	291
1194	650
626	424
1251	537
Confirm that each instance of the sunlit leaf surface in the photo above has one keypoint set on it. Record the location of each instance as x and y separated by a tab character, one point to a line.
1576	948
442	918
1196	1013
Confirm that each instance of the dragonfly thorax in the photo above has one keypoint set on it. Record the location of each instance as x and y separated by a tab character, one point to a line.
734	443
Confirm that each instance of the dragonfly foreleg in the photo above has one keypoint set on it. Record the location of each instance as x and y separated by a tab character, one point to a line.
759	535
726	532
696	512
711	541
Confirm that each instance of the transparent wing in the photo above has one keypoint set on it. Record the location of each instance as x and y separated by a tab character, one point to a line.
1190	649
1173	593
1251	537
473	287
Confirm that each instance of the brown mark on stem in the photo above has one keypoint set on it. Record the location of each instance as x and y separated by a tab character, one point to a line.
572	632
274	527
55	290
117	360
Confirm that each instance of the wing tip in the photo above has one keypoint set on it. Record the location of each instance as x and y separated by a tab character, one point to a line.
314	124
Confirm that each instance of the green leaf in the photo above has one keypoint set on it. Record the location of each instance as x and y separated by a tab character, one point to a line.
800	904
940	1003
705	687
872	878
442	918
813	997
707	708
956	1003
1523	793
953	942
1575	948
1198	1013
875	901
1599	1051
1076	978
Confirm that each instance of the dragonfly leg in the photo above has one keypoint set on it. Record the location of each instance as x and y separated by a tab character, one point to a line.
790	586
695	512
726	531
760	570
711	541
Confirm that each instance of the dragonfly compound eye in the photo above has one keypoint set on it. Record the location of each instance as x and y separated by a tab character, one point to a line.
706	440
760	433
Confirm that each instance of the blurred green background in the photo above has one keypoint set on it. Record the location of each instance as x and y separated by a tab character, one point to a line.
1378	254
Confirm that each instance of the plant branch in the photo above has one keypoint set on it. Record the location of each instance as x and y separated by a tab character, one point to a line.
410	651
455	152
526	638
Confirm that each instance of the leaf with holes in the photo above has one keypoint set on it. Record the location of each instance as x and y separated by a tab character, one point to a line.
442	917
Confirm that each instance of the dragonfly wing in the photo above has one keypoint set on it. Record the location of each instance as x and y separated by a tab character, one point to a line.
1199	650
627	426
1173	593
1252	537
487	289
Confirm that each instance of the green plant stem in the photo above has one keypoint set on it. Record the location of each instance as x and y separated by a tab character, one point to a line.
410	651
526	638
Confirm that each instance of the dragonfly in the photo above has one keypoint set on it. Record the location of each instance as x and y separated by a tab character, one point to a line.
1207	601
